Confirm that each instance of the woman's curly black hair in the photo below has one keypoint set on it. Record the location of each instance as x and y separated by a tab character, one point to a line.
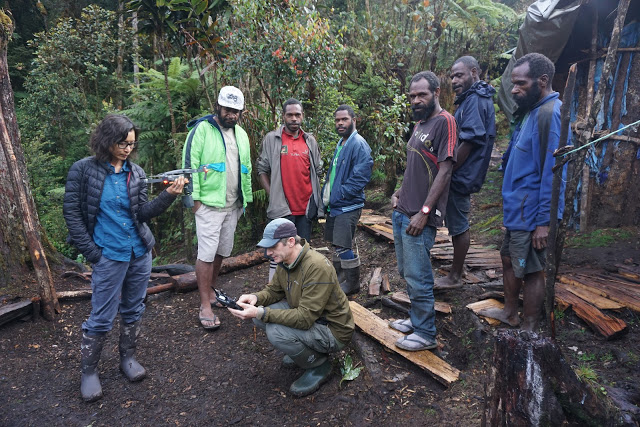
112	129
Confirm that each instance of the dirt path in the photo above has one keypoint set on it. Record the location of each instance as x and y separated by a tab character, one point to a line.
233	376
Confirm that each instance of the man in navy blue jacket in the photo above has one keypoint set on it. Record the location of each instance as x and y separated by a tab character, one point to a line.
526	191
476	118
343	197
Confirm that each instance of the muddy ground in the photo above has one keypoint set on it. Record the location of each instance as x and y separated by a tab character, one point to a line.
232	376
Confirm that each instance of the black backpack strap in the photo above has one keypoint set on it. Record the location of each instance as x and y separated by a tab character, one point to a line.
545	114
192	125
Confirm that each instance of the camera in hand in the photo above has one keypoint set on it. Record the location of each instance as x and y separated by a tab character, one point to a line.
226	300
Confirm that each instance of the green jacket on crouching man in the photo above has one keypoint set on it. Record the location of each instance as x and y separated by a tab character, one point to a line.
310	286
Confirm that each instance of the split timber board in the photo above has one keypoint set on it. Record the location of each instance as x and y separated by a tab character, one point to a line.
600	302
378	329
15	310
486	304
386	231
403	298
607	326
607	289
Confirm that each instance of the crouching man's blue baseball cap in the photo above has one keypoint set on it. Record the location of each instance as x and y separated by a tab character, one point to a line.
274	231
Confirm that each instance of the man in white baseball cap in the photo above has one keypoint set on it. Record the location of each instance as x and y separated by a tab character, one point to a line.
218	200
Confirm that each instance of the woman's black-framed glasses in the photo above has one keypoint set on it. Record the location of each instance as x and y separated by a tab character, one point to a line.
125	144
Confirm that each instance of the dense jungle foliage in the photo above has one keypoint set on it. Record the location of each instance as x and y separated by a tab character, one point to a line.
161	62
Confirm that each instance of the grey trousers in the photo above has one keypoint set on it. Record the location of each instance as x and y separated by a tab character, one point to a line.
292	341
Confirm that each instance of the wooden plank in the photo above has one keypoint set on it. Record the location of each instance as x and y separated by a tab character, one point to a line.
376	282
403	298
629	271
379	330
386	286
377	233
600	302
368	217
485	304
603	290
469	277
14	311
607	326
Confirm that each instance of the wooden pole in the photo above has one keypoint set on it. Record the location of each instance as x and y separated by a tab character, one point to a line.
25	202
550	268
584	194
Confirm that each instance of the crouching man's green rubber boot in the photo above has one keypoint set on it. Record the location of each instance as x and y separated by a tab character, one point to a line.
317	368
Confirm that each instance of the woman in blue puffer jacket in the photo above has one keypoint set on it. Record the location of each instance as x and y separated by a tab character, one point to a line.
106	211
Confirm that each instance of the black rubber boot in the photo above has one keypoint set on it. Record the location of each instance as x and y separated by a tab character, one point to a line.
288	362
337	265
128	363
317	370
351	270
90	350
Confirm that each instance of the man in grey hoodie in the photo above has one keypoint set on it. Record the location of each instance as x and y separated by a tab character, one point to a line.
288	168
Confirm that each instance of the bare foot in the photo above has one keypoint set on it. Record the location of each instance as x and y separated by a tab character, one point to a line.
446	283
530	324
501	315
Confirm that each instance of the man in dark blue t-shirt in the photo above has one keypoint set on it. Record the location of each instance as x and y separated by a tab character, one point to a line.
475	116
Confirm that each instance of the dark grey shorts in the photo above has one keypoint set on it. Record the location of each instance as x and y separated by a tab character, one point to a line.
340	230
457	216
525	259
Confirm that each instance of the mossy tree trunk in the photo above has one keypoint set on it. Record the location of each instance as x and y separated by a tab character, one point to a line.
20	230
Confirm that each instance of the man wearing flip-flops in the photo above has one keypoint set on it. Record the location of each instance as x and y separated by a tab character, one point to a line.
303	310
419	207
221	195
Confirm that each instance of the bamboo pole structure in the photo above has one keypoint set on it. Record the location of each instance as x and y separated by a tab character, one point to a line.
583	139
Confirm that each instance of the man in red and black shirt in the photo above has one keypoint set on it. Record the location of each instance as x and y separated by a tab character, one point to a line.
289	167
419	207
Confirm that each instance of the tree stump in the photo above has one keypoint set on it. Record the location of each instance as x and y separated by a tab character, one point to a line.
534	385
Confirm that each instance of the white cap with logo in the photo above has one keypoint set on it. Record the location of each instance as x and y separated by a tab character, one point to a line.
231	97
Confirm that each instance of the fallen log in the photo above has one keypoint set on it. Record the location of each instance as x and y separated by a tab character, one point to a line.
74	295
376	282
161	288
83	276
534	385
243	261
15	310
187	282
173	269
378	329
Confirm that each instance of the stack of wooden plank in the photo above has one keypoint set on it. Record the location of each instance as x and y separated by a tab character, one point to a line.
588	291
381	226
478	257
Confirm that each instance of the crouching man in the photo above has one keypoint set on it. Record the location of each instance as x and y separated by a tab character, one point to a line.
303	310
